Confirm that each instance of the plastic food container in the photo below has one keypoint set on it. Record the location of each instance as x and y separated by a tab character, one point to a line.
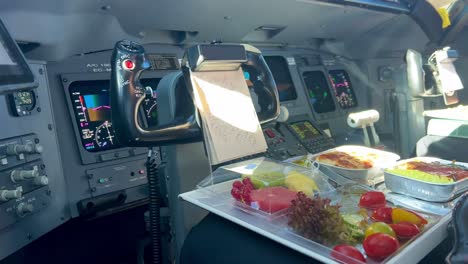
432	192
380	160
263	186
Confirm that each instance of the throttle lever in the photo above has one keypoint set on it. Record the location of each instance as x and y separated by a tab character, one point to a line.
126	93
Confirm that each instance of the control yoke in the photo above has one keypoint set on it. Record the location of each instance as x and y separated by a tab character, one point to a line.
126	92
208	57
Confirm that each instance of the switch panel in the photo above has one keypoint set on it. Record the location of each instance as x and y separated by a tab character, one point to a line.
33	196
113	178
29	176
15	210
19	150
24	183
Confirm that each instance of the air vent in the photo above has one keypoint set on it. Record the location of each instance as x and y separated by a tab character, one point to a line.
27	46
263	33
313	60
302	62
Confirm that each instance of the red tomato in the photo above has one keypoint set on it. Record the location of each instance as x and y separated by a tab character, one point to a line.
347	254
382	214
380	246
405	230
372	200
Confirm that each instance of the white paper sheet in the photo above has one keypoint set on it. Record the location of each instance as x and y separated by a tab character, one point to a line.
448	75
230	123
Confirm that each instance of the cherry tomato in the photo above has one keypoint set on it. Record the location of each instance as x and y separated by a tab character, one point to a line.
379	227
372	200
402	215
405	230
380	246
382	214
347	254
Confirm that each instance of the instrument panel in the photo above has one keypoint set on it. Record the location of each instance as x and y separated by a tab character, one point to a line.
318	92
342	88
91	106
279	68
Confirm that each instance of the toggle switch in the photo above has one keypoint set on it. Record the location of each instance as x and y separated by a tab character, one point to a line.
41	181
6	195
20	175
24	208
29	148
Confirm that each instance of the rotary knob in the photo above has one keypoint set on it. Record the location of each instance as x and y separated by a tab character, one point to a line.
20	175
6	195
41	181
29	148
24	208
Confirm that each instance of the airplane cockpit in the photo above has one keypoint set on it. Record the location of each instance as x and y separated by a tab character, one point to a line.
293	131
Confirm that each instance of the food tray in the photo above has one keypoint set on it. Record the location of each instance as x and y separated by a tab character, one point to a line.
368	177
212	199
271	177
432	192
343	196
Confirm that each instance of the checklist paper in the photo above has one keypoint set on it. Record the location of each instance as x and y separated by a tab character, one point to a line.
448	76
230	124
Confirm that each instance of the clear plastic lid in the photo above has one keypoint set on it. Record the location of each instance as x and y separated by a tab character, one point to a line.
264	186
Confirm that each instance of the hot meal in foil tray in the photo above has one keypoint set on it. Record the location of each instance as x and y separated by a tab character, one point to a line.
348	160
434	172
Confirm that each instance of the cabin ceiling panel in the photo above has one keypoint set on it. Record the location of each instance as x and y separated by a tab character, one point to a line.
64	28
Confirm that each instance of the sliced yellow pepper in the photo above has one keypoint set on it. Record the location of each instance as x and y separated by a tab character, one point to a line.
401	215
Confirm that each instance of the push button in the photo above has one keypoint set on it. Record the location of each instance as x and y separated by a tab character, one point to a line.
270	133
128	65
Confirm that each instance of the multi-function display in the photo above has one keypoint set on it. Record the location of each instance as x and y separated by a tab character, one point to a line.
305	130
279	68
343	89
318	92
91	106
14	71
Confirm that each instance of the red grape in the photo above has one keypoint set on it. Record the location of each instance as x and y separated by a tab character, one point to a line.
236	193
248	182
246	195
237	185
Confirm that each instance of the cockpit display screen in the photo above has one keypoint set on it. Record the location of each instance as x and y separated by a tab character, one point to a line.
14	70
343	89
279	68
318	91
261	97
305	130
91	106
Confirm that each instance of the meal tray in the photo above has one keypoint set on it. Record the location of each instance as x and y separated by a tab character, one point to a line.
368	177
411	253
432	192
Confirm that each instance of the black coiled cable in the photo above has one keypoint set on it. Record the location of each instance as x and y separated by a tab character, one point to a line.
152	169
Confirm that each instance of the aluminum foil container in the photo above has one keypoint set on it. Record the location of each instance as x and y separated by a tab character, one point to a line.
370	176
432	192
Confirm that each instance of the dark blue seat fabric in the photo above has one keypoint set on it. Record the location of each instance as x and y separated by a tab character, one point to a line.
448	148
